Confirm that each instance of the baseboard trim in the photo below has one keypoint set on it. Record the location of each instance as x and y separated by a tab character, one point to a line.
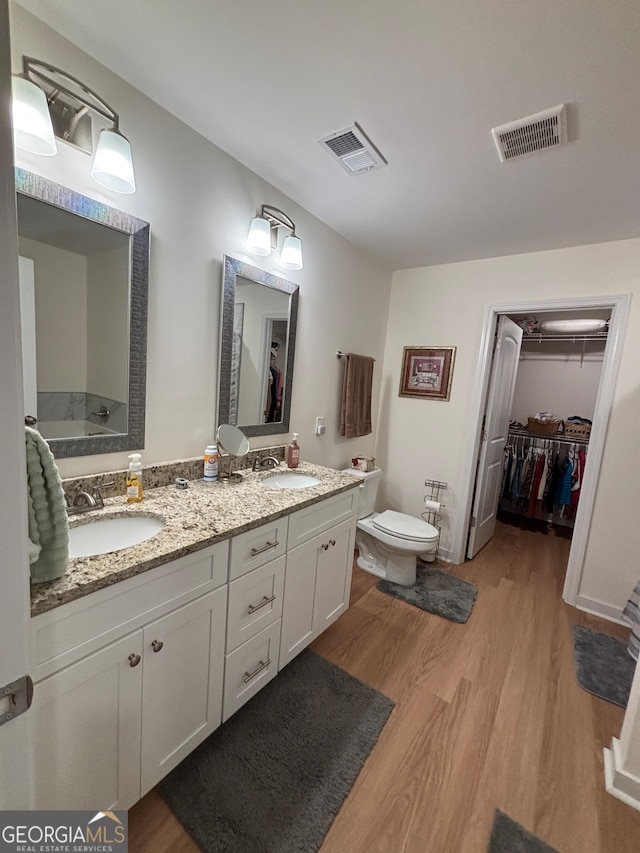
619	783
600	608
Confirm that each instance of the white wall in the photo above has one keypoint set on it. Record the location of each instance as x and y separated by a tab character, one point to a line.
108	323
564	385
444	306
200	202
61	316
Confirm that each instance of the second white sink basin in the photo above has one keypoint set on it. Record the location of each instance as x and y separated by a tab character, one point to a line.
290	480
103	535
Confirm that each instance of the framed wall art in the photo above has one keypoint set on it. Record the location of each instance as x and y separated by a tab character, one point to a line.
427	372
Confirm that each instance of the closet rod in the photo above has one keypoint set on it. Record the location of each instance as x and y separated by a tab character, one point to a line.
520	433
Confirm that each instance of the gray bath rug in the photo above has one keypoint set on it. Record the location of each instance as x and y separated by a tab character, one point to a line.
436	592
507	836
603	665
273	777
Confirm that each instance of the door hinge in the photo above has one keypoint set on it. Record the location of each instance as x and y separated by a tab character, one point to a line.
484	435
473	521
15	699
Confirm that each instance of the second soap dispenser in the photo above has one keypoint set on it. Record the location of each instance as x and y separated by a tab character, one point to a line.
293	452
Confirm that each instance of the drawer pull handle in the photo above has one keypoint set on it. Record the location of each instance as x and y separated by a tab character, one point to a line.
332	541
249	675
256	551
266	600
134	660
156	645
325	547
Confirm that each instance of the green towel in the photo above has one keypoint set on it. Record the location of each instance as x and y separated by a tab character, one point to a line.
48	521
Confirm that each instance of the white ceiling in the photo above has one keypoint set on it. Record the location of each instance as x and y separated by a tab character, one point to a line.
426	80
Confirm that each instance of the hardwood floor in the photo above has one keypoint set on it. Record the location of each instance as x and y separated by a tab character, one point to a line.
488	714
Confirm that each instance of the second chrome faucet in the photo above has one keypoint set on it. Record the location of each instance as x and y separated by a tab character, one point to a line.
267	462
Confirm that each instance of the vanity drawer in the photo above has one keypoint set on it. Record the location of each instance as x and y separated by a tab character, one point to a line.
249	668
257	546
255	601
69	632
319	517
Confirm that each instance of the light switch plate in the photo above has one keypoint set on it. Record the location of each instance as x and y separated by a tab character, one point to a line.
320	427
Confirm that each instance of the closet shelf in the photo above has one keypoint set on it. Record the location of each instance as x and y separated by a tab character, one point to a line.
570	339
557	437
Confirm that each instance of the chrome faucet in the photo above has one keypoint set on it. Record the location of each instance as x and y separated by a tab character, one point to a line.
85	501
267	462
102	413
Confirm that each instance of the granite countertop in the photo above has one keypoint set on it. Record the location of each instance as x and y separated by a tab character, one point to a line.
196	517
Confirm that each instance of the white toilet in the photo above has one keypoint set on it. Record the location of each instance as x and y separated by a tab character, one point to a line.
389	542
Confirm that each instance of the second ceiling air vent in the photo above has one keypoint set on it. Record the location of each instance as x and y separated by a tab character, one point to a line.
352	149
547	129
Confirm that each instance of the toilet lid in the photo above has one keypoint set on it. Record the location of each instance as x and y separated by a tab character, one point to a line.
405	526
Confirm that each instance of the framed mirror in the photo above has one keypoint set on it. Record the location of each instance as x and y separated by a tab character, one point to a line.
257	346
84	274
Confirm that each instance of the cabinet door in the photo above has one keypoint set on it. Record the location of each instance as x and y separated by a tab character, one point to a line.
182	691
333	576
86	731
299	593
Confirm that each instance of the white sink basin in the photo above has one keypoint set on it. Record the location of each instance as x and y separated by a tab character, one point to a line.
103	535
290	481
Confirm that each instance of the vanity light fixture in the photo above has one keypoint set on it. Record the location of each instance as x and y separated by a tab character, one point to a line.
263	237
49	103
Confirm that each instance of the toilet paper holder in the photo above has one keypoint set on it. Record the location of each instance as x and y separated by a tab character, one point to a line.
433	502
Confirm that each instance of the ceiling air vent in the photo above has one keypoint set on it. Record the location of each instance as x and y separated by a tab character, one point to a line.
547	129
352	149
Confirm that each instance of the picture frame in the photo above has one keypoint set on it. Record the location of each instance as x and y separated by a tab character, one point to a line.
427	372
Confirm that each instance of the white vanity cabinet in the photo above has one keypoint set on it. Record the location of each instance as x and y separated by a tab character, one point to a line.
113	720
129	679
318	571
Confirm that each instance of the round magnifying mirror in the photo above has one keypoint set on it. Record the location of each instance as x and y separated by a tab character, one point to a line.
232	440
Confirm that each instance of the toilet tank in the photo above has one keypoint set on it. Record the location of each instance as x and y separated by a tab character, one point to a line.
368	490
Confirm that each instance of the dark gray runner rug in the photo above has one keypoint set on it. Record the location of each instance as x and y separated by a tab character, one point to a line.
603	665
507	836
438	593
273	777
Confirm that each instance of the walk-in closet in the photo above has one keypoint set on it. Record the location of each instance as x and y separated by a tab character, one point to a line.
554	401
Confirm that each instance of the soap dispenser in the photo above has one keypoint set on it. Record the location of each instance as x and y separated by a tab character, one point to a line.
293	452
134	479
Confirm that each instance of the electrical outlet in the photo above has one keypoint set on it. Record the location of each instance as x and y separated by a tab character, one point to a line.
320	427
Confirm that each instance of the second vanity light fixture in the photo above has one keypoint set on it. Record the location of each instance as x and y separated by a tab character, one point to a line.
49	103
263	237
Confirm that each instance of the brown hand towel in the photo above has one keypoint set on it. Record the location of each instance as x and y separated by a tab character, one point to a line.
355	414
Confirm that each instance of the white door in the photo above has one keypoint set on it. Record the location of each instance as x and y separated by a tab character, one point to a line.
14	566
502	383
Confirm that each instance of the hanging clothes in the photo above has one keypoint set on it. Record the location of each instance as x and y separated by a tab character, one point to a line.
542	477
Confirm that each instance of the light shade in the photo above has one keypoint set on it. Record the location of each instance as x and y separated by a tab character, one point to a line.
32	128
291	254
259	239
112	164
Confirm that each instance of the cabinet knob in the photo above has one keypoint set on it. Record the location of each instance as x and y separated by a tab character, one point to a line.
134	659
156	645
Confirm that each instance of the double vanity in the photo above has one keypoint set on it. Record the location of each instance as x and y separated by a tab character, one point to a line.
139	654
